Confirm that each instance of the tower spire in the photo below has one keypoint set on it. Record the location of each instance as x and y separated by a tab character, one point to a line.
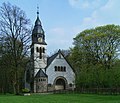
37	11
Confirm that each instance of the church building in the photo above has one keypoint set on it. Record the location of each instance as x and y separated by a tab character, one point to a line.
44	73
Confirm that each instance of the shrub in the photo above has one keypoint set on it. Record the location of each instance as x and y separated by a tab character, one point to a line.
25	90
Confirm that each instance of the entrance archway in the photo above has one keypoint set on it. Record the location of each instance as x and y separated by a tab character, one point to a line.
60	83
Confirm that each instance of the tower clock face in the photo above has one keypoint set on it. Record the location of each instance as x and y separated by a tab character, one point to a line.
39	39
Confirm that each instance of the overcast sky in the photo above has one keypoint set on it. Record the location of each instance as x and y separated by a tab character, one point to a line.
62	20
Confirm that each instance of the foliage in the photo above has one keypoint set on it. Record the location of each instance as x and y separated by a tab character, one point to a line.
99	45
25	90
14	42
95	57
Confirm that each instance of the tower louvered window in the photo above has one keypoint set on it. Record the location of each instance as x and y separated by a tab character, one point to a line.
37	49
43	50
40	53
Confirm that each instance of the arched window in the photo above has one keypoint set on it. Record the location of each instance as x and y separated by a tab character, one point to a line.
40	50
40	53
64	69
55	68
58	68
37	50
44	79
43	50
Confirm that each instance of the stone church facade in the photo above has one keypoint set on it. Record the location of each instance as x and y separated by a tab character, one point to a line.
47	73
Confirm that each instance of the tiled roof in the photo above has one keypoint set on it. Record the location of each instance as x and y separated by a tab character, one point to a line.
50	59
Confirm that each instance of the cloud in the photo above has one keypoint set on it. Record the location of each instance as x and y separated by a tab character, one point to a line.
107	14
62	37
86	4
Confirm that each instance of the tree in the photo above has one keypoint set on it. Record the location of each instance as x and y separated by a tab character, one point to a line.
100	45
15	35
94	56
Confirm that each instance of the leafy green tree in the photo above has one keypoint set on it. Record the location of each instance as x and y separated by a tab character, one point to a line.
99	45
94	57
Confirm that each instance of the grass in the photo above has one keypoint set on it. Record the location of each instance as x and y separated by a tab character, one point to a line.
60	98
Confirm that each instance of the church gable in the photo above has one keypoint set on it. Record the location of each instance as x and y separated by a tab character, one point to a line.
59	67
58	57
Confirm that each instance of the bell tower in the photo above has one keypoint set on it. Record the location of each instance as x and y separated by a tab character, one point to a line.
38	47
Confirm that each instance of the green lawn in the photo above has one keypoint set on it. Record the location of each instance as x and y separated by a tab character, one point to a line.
60	98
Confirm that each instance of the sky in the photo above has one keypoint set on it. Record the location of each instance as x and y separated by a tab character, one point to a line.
62	20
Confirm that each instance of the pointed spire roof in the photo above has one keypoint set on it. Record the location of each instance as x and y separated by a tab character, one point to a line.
38	31
37	22
38	27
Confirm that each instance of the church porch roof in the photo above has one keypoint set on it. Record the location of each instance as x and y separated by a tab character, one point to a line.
40	73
